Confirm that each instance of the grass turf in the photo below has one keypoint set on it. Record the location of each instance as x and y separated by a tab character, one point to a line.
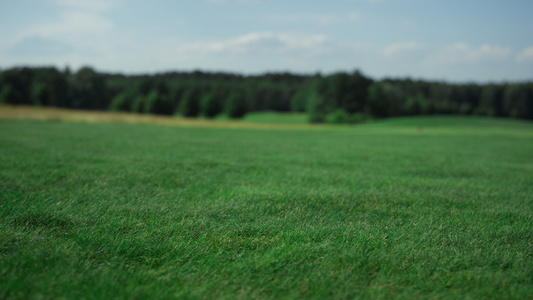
378	210
276	118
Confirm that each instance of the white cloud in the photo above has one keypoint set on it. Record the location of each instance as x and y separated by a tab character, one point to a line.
461	53
70	23
74	17
402	48
259	42
78	25
257	52
317	18
526	56
231	1
322	19
40	47
93	5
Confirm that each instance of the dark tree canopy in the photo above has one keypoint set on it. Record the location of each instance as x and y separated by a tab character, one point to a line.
339	97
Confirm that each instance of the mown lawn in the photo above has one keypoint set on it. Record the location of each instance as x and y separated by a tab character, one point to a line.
276	118
380	210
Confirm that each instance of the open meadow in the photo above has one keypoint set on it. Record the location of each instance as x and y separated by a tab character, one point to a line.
403	208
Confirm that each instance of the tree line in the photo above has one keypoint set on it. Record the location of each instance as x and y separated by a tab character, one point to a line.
336	98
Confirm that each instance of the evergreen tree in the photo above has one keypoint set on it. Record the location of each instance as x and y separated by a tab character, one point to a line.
210	107
235	106
120	103
189	106
89	89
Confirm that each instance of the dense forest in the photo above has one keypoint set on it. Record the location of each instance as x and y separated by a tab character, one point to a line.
336	98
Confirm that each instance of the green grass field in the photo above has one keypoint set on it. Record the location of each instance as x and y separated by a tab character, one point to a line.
380	210
276	118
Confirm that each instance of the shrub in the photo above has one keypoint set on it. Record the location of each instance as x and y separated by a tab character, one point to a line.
316	109
465	108
359	118
337	117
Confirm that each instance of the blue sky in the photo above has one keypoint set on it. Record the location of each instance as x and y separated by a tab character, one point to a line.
480	40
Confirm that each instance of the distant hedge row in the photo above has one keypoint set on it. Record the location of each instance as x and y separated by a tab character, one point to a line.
336	98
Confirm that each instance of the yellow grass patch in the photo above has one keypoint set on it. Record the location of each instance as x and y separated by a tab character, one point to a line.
68	115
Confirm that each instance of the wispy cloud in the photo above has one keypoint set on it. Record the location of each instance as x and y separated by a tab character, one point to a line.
401	48
316	18
93	5
78	26
77	33
255	42
259	51
526	56
40	47
234	1
462	53
70	23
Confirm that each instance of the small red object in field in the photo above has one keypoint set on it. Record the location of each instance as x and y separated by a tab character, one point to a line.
418	128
